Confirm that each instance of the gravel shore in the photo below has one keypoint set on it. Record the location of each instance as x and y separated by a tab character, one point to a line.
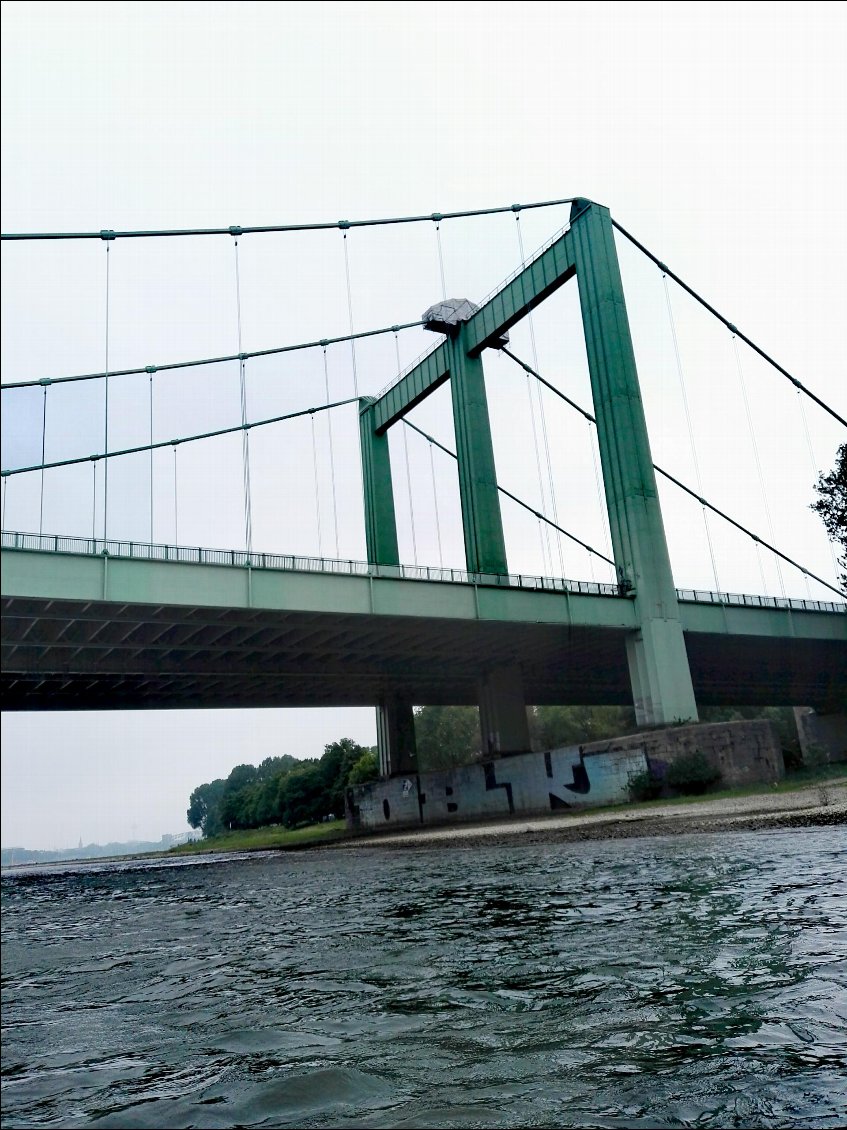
824	803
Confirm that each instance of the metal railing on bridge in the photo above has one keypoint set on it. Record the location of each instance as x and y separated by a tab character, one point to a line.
287	562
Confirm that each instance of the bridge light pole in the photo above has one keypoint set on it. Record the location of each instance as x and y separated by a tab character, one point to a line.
656	653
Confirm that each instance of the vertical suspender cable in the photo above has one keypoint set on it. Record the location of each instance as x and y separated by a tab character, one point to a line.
543	530
93	502
408	472
758	461
245	435
5	489
43	460
176	502
593	443
331	455
106	425
317	488
431	460
681	377
151	458
350	313
437	219
411	502
815	473
435	504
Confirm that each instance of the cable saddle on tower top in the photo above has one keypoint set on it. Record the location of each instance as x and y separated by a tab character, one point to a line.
446	317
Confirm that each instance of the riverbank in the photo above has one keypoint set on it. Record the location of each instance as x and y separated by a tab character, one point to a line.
817	804
821	801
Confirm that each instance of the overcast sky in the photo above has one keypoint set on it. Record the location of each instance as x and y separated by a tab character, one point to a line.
714	132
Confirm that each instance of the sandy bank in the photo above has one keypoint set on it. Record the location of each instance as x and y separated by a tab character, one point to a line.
824	803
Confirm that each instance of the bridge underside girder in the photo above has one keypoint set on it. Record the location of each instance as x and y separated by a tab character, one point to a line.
89	655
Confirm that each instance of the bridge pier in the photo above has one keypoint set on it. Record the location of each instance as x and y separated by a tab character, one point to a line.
658	661
395	736
502	711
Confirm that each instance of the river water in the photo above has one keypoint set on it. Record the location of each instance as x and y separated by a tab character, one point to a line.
690	981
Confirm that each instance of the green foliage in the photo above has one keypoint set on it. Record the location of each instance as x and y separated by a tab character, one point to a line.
301	798
336	764
203	808
644	786
552	726
446	736
282	790
692	774
364	770
832	505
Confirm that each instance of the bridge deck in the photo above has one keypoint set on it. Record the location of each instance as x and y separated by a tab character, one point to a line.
136	629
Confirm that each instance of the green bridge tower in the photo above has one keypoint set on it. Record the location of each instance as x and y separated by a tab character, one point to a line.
658	663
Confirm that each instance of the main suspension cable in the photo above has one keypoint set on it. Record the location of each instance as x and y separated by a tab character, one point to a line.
732	329
755	447
176	442
697	476
681	485
321	344
263	228
509	494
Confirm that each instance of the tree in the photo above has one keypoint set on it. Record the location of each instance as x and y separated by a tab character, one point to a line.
337	762
832	506
446	736
364	770
552	726
204	807
302	795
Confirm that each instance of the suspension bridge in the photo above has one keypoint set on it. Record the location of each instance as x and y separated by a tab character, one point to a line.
95	619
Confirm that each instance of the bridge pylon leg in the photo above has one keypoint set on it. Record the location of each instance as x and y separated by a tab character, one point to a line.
485	545
380	521
658	661
395	736
502	711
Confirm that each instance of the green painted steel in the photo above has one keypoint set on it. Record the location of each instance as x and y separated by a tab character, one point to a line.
485	545
661	678
512	302
48	576
380	521
110	632
417	384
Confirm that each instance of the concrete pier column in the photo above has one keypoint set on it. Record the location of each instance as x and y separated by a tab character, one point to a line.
395	736
502	711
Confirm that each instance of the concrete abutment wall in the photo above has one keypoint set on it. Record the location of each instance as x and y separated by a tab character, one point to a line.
571	777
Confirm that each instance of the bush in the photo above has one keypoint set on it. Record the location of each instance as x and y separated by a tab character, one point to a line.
644	786
692	774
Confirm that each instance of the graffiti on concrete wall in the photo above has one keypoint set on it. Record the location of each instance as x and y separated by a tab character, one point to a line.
507	786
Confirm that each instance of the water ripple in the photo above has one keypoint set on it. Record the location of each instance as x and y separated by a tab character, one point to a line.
692	982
